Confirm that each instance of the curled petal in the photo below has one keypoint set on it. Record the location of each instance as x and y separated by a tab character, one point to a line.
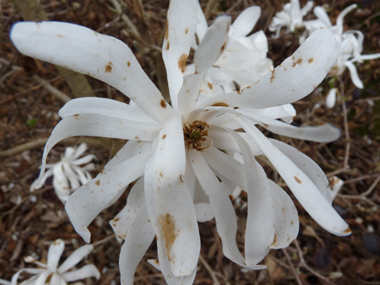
86	271
75	257
245	22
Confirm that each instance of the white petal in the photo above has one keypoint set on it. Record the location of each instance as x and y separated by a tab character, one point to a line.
38	183
42	278
301	185
97	125
86	51
225	217
292	80
86	271
81	149
336	183
56	279
245	22
324	133
180	30
28	270
83	160
331	98
201	24
272	218
188	95
139	238
102	191
135	203
307	165
213	44
75	257
54	254
354	74
170	205
322	16
339	19
204	212
105	107
71	176
69	151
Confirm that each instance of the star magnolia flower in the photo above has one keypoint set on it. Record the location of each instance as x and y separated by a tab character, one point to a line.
290	17
174	151
67	174
350	43
244	58
58	275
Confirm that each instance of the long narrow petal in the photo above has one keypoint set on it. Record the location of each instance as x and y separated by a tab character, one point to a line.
105	107
56	279
245	22
301	185
75	257
169	202
308	166
213	44
135	203
272	217
86	51
86	271
225	217
292	80
324	133
139	238
102	191
54	254
98	125
180	31
28	270
354	74
188	95
42	278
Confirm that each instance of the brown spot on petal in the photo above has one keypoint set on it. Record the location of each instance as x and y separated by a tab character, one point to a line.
187	30
97	183
210	85
182	62
299	61
310	60
164	136
129	64
220	104
108	68
274	239
168	230
60	36
297	179
180	178
161	174
116	220
163	103
223	47
273	76
167	45
347	231
265	125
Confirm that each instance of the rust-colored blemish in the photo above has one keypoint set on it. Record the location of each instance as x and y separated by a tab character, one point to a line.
348	230
273	76
231	197
297	179
187	30
210	85
164	136
299	61
60	36
182	62
220	104
310	60
274	239
161	174
137	137
265	125
129	64
180	178
167	45
116	220
97	183
223	47
168	230
108	68
239	91
163	103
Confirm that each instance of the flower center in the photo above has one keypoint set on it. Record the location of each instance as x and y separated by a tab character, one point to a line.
194	134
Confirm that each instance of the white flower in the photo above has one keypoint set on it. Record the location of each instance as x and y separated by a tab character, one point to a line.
68	174
243	59
331	98
176	149
350	43
58	275
290	17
